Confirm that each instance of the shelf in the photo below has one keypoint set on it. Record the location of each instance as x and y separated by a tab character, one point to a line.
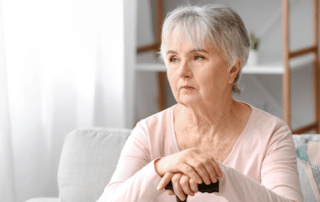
269	65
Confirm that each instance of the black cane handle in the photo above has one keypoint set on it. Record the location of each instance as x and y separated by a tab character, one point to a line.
203	188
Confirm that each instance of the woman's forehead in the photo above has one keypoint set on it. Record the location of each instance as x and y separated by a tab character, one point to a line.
181	39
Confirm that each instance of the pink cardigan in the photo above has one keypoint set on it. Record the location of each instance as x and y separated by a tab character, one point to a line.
261	166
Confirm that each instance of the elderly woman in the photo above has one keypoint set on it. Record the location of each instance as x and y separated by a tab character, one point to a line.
207	135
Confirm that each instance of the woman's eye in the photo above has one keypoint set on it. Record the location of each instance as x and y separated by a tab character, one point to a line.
173	59
198	57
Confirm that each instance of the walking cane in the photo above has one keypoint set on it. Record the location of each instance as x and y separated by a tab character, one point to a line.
203	188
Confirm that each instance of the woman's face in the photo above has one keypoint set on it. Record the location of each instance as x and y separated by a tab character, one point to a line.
198	75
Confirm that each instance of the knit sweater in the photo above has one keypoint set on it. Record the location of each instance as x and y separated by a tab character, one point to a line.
260	167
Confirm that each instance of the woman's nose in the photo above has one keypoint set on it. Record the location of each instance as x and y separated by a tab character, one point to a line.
184	69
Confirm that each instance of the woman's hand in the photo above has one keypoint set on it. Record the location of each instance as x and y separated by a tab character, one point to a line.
192	162
182	184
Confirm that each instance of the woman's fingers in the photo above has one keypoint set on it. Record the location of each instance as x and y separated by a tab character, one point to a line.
165	180
216	167
191	172
169	192
207	168
200	167
211	169
187	185
193	185
177	187
184	182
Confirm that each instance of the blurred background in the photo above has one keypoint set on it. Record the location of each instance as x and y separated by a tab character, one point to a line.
68	64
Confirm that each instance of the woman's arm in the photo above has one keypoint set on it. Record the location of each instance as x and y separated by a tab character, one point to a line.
237	187
135	178
279	176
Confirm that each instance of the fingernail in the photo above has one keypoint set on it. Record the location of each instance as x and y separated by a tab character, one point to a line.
199	182
207	182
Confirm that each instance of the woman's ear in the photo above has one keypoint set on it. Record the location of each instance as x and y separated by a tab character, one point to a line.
234	71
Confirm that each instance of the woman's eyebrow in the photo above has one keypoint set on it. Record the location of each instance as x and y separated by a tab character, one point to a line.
198	50
192	51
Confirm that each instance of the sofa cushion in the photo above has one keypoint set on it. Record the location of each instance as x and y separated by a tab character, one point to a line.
307	146
305	139
308	156
307	192
89	158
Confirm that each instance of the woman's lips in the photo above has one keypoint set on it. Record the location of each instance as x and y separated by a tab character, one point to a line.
187	87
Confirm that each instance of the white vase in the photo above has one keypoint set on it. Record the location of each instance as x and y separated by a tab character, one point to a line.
253	58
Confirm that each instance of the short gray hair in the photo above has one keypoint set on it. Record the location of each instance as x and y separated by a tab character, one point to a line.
221	24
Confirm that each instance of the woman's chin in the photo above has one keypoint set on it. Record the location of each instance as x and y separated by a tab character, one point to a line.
190	101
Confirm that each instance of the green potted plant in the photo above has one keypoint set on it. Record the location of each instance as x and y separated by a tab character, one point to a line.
253	58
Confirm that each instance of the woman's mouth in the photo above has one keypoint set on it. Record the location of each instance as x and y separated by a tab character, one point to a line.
187	87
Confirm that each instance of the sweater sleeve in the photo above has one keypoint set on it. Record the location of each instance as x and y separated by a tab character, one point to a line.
279	175
135	178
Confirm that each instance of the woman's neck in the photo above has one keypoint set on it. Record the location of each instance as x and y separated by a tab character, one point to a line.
204	119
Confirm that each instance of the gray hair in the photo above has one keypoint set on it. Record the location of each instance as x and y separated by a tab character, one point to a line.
222	25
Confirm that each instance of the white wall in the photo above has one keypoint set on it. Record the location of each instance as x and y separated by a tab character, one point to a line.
256	15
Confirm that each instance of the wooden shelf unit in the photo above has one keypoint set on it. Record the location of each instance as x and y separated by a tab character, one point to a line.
155	47
288	55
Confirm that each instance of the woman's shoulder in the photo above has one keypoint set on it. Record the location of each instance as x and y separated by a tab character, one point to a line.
267	129
157	130
159	120
263	117
266	123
